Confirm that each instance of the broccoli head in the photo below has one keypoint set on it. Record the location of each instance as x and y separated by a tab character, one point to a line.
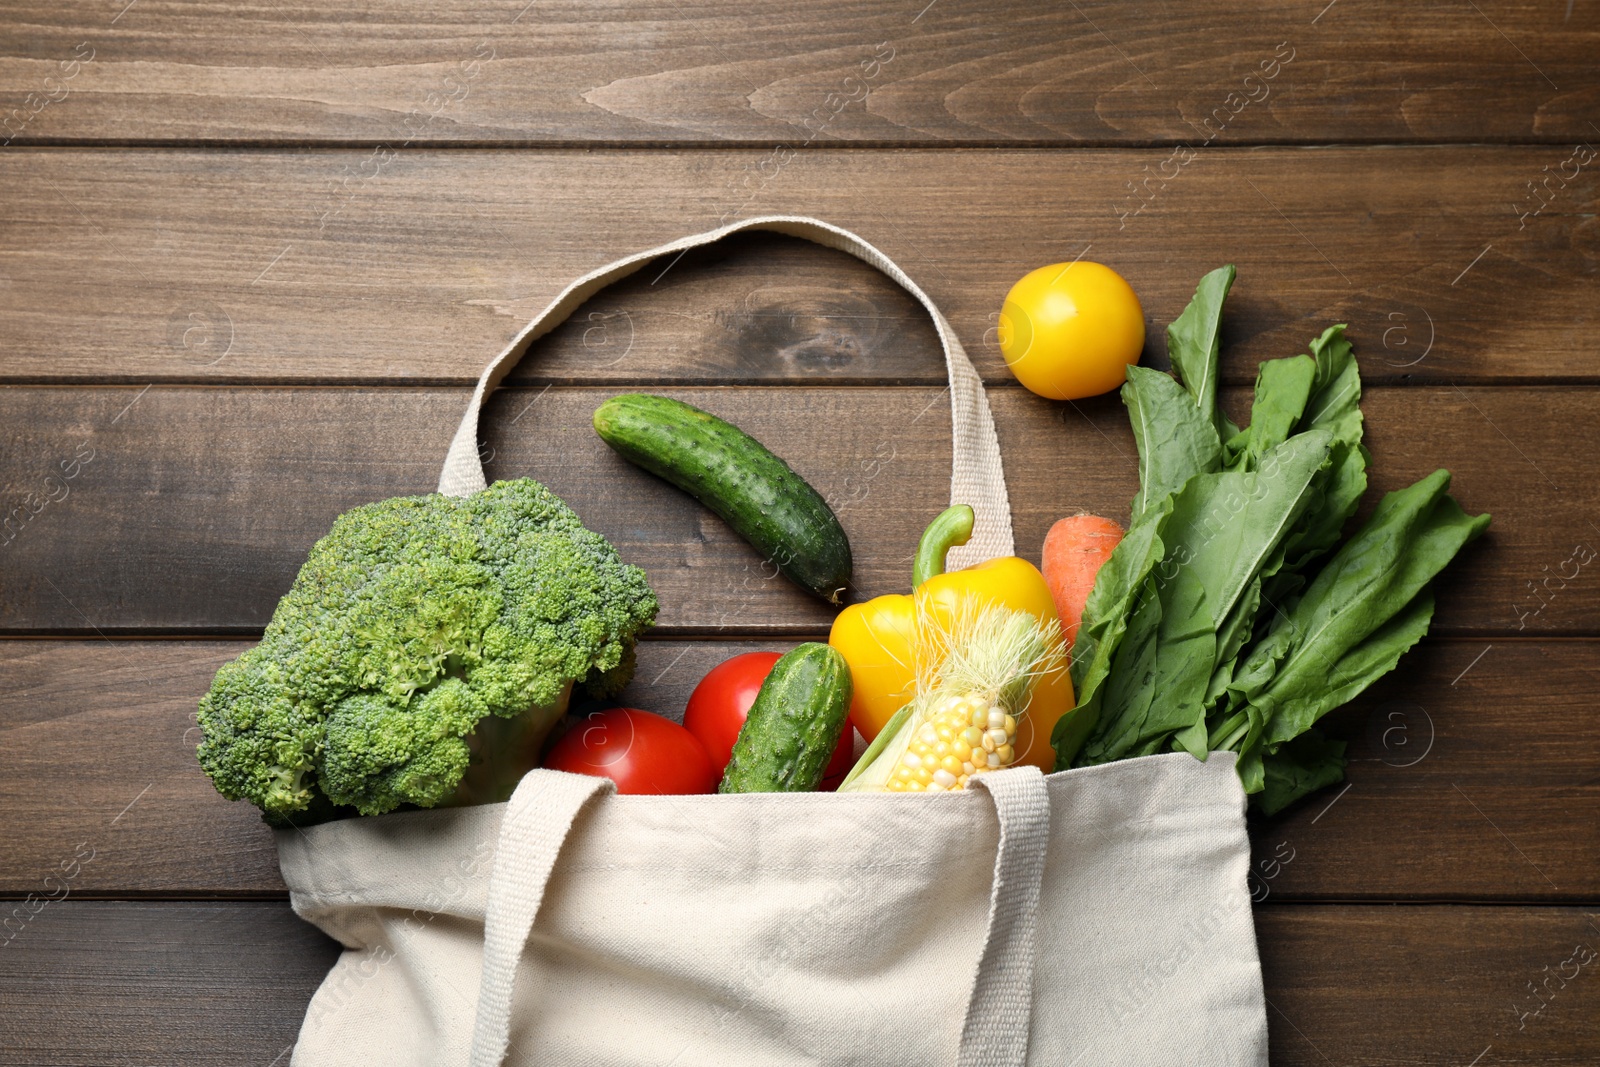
426	648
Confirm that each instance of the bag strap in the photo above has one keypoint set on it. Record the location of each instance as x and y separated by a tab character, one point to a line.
976	476
532	831
995	1033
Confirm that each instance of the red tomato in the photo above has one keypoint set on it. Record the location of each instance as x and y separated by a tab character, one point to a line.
721	702
641	752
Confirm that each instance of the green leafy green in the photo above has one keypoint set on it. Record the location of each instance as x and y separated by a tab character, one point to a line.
1370	588
1176	440
1336	396
1224	526
1282	388
1230	617
1194	345
1302	766
1104	622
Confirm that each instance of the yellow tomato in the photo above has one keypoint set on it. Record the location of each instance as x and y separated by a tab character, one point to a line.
1070	330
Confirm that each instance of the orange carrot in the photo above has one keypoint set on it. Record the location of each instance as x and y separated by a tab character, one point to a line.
1074	549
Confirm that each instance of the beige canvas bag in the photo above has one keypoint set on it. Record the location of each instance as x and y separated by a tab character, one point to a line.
1096	916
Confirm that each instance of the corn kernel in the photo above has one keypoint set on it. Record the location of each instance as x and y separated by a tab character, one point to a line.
961	738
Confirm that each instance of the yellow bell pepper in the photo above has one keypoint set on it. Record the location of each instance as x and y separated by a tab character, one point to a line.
876	638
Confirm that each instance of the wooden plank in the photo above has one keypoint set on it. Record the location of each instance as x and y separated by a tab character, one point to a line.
988	72
1479	790
330	266
1393	987
100	983
193	508
1471	776
1381	986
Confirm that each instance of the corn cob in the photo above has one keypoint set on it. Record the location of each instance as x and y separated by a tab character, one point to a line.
976	670
966	735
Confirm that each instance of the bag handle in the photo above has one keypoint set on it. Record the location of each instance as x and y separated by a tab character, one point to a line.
535	825
999	1011
976	478
995	1032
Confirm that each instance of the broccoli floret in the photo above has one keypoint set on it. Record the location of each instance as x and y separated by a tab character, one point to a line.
425	650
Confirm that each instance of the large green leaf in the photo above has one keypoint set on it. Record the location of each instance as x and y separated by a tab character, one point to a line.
1129	683
1176	441
1232	635
1368	589
1302	766
1225	526
1282	388
1339	491
1159	677
1336	393
1111	600
1194	342
1105	621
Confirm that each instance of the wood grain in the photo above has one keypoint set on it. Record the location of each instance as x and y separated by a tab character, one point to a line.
224	985
196	506
305	227
987	72
1394	987
1471	776
102	983
1481	790
417	266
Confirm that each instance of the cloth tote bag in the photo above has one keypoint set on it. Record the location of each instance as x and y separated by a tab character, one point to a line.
1093	917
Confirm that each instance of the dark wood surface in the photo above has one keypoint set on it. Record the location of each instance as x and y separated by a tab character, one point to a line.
138	982
252	257
984	73
1466	814
415	266
199	504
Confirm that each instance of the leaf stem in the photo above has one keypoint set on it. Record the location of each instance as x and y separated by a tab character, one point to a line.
1233	728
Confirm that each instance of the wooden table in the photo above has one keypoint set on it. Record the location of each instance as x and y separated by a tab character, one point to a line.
251	257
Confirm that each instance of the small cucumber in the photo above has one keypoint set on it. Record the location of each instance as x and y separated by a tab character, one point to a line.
789	736
734	475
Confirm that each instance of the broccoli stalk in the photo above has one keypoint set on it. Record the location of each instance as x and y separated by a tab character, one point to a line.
422	655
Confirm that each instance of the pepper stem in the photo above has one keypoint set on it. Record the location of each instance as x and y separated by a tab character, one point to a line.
953	527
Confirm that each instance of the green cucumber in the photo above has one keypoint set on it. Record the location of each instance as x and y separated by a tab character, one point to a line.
790	733
734	475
